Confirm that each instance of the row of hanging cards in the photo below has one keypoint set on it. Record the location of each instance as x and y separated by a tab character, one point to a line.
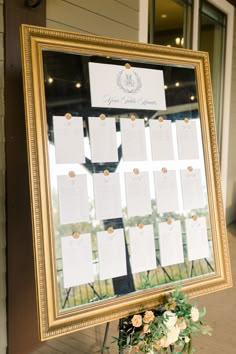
79	269
74	200
69	139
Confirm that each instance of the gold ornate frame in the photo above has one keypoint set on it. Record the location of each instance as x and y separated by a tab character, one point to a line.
53	322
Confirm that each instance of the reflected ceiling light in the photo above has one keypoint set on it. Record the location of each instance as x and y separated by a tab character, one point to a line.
177	41
78	85
165	87
168	45
177	84
192	98
50	80
145	119
163	15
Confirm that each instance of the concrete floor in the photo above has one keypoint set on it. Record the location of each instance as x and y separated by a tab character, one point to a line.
221	313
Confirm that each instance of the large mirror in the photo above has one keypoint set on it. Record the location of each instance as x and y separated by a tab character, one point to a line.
124	176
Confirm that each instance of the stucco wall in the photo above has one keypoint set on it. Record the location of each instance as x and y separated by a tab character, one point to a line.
118	19
3	340
231	177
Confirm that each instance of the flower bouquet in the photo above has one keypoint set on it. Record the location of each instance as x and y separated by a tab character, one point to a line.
168	328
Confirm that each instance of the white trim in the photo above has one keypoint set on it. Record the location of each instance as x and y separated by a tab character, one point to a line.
195	24
228	9
143	21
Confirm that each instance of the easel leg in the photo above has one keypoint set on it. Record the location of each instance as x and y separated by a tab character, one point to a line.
105	337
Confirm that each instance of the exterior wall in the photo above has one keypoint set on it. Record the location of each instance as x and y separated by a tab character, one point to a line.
231	180
118	19
3	336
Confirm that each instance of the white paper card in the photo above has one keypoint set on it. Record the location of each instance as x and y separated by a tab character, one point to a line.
116	86
103	143
187	140
111	253
107	196
77	260
192	189
133	139
166	191
170	242
137	194
161	140
142	248
197	240
69	139
73	199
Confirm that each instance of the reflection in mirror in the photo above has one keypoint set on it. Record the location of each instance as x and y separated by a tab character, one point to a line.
129	212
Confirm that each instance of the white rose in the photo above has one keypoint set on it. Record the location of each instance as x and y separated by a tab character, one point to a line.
173	334
194	314
170	319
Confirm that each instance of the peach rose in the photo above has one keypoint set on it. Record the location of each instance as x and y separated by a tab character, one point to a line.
148	317
136	320
181	323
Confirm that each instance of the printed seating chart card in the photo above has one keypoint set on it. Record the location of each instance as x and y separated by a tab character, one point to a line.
76	258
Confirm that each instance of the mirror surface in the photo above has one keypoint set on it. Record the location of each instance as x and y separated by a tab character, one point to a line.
159	179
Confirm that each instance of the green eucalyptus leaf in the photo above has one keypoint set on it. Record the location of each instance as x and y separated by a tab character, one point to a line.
202	312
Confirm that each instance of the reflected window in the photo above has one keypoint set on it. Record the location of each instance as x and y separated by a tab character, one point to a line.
170	22
212	40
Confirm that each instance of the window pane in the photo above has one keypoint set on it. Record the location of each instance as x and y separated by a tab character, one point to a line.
212	40
170	22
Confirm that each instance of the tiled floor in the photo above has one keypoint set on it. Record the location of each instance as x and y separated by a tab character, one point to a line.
221	313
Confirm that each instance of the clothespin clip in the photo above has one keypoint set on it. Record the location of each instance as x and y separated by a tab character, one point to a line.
190	169
106	173
164	169
140	225
72	174
75	234
102	116
68	116
110	230
169	221
136	171
161	119
132	117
